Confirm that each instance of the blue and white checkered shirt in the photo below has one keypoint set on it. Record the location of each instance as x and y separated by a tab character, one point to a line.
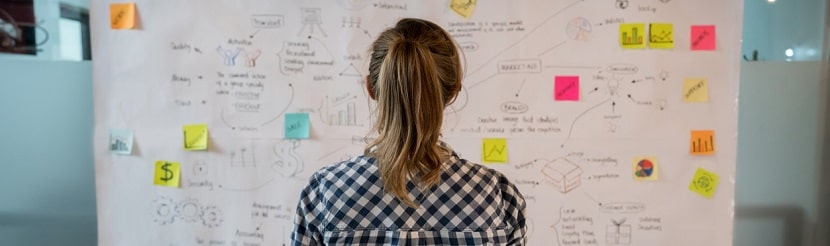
344	204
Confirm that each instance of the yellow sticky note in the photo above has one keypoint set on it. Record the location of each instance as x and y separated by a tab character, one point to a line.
464	8
167	174
632	35
695	90
494	150
704	183
644	168
661	35
702	142
195	137
122	15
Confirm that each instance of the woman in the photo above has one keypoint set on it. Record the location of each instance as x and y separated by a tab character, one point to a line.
409	188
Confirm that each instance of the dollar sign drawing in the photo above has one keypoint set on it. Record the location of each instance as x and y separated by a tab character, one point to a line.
168	175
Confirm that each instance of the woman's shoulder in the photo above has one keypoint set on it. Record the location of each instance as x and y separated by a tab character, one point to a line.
462	168
356	166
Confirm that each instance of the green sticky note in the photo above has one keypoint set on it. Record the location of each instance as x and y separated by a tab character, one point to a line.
494	150
195	137
704	183
661	35
167	174
297	126
632	35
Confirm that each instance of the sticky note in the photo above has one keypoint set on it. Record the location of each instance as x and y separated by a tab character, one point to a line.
464	8
195	137
121	141
703	37
704	183
661	35
695	90
702	142
297	126
122	15
494	150
632	35
566	88
167	174
644	168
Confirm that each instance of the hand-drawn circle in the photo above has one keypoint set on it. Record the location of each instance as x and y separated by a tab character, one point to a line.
578	29
188	210
513	107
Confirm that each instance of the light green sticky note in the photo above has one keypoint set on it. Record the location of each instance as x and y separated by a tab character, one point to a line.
494	150
661	35
167	174
297	126
704	183
195	137
632	35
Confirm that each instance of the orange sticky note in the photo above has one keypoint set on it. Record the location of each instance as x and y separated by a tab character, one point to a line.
167	174
122	15
695	90
704	183
494	150
702	142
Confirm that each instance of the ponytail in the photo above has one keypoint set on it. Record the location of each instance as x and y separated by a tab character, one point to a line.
413	78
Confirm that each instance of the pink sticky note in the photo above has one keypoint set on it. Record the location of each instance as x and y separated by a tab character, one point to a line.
703	37
566	88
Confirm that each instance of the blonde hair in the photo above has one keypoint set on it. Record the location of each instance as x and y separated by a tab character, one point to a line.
414	73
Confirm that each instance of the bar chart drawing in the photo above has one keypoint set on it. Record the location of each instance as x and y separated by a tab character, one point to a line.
633	38
340	113
632	35
702	142
243	157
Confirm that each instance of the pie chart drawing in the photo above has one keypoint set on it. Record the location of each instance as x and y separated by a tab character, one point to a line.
579	29
645	168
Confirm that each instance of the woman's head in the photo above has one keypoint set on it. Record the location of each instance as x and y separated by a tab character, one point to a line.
414	73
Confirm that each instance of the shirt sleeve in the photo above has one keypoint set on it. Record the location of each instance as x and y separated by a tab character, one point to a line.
307	218
514	209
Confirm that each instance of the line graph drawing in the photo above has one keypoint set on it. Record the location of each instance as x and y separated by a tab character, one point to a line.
494	151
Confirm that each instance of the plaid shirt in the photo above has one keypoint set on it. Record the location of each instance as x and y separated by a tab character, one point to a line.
345	204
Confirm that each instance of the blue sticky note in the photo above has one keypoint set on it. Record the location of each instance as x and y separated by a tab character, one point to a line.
297	126
121	141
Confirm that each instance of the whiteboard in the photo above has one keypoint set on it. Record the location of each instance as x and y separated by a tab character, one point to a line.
581	113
